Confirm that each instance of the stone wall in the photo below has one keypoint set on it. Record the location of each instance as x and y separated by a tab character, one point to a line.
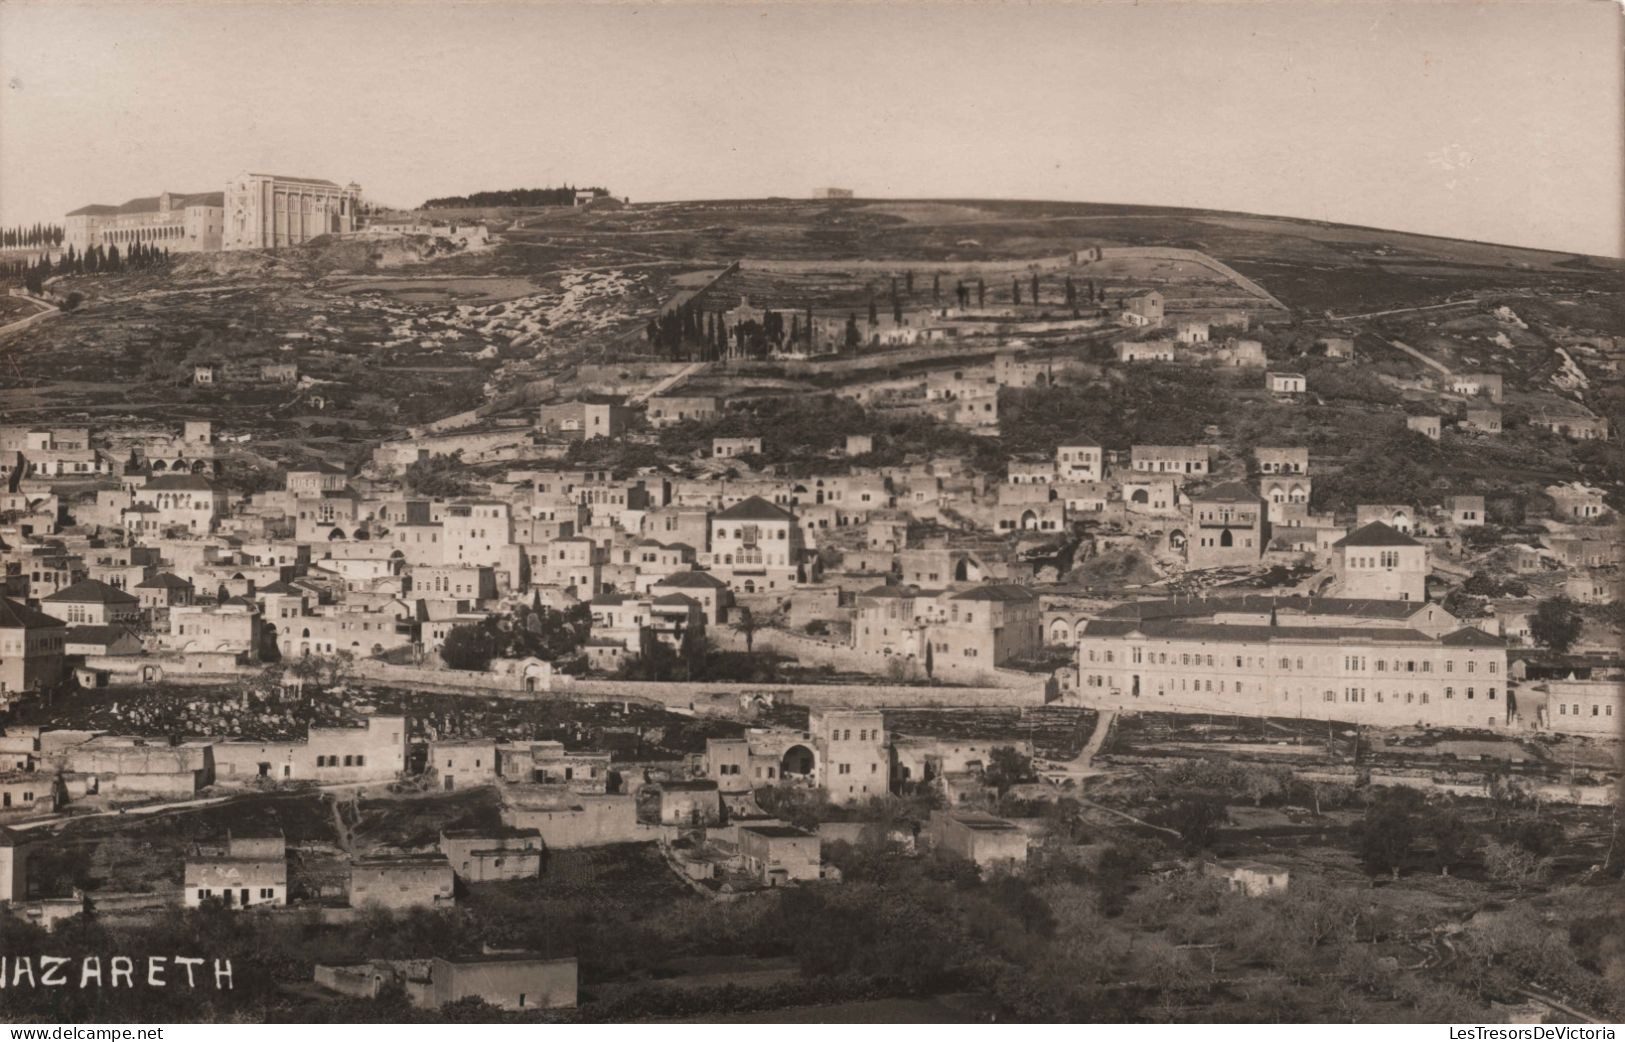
1003	688
449	680
1195	257
701	698
1548	792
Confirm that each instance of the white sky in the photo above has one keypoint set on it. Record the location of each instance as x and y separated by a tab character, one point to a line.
1485	120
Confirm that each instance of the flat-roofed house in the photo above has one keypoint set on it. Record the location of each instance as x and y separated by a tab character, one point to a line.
779	854
248	881
1230	527
493	853
508	981
987	841
402	881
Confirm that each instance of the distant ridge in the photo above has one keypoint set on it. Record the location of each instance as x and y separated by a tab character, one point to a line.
562	196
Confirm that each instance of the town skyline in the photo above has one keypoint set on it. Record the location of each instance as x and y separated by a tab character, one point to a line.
1496	152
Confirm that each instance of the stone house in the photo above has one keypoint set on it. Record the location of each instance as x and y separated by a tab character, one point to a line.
93	603
584	418
1286	383
1230	526
1594	707
983	839
1253	878
691	803
1380	563
1465	511
463	763
403	881
1184	461
549	763
728	448
1427	426
31	651
756	546
779	854
1483	419
1079	461
511	981
253	872
493	854
670	410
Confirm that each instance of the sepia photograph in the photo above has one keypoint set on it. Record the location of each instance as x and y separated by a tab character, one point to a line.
562	514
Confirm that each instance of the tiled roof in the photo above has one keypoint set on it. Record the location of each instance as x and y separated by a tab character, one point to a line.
149	204
1471	637
164	581
776	831
755	509
677	599
1376	534
1350	607
1229	492
179	482
891	590
298	180
996	592
693	581
91	591
1218	633
96	634
15	615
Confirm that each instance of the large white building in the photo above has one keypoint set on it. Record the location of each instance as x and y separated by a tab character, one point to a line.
264	211
1351	661
173	221
256	211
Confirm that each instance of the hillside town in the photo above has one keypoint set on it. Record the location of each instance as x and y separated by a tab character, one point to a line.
659	603
811	514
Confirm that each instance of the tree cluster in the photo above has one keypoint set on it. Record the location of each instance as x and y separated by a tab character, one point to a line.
564	195
22	236
696	658
693	334
136	256
1556	623
533	632
439	476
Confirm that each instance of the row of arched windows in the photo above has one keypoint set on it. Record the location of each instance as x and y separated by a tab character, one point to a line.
118	235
